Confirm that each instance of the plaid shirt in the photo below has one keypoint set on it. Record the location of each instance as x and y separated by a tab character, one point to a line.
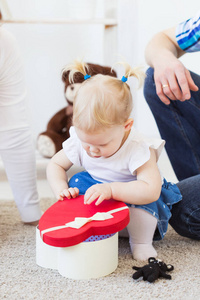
188	34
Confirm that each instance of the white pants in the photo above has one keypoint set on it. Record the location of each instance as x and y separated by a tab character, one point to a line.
16	147
18	155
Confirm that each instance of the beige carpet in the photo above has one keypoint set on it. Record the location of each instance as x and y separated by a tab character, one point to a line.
21	278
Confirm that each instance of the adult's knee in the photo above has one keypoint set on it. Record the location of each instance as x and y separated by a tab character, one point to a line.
187	224
186	214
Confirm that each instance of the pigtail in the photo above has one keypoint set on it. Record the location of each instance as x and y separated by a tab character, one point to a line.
76	67
134	72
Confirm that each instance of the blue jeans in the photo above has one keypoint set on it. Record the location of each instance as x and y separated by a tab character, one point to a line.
185	217
179	125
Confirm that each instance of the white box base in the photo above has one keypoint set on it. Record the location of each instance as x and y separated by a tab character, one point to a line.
86	260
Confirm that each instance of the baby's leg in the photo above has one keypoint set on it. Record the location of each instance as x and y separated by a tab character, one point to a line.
141	230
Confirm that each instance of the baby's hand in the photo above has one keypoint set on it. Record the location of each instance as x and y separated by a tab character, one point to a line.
69	193
101	191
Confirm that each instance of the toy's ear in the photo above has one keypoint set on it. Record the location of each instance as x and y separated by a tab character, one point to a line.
151	259
170	268
65	75
77	78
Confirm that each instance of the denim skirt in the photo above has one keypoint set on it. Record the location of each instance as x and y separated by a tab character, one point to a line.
160	209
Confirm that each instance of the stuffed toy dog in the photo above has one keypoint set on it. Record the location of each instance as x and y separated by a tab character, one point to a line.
50	141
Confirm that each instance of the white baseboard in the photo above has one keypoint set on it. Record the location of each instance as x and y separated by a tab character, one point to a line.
41	164
44	189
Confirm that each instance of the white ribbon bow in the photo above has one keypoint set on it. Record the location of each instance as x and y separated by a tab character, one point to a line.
79	221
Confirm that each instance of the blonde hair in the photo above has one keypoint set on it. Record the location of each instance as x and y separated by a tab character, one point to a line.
102	101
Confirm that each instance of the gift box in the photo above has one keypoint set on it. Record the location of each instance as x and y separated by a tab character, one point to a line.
81	241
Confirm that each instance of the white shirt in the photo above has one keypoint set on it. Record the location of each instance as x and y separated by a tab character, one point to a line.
121	166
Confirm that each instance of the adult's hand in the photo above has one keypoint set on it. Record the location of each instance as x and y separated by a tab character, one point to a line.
173	81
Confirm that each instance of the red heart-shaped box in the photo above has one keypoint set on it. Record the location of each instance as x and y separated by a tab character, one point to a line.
66	211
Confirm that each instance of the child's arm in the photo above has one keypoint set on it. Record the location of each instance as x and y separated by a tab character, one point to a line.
144	190
57	176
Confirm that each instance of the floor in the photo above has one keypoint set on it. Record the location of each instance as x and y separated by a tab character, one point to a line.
44	189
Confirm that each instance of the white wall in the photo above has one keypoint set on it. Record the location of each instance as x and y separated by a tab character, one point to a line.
47	48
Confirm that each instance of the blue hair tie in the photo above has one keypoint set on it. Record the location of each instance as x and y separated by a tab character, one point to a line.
87	76
124	79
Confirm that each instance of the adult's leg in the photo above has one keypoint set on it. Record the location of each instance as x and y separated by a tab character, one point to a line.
186	214
16	147
18	155
179	125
